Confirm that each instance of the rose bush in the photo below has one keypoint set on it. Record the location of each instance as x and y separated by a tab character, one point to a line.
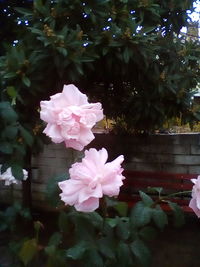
116	235
91	179
70	117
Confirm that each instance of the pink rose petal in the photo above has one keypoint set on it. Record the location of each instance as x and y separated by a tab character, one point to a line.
70	117
94	178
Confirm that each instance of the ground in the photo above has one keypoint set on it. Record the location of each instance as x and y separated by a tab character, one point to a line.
178	247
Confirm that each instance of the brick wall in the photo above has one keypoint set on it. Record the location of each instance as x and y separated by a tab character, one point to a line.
169	153
177	153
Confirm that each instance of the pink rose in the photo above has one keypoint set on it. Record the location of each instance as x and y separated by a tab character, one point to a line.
195	201
91	179
70	117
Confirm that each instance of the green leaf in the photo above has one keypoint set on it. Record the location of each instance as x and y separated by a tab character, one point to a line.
77	251
123	229
112	222
94	258
12	93
10	132
178	214
6	148
10	75
50	250
7	112
52	189
62	50
155	189
26	81
10	115
148	233
55	239
95	219
140	214
17	171
141	252
147	200
106	247
23	11
122	208
159	217
123	254
111	202
28	138
28	251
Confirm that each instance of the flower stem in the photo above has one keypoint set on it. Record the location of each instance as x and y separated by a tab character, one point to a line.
178	193
103	206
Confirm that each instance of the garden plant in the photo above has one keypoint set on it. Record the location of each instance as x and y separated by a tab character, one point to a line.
127	55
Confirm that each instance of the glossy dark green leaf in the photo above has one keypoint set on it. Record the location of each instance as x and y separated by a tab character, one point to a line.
140	214
7	112
76	252
26	81
55	239
159	217
123	229
141	252
10	132
178	214
147	200
6	147
17	171
27	136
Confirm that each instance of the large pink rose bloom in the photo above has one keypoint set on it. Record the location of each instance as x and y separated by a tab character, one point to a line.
195	201
70	117
91	179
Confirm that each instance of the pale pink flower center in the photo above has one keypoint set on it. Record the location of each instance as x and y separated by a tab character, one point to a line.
93	184
74	129
65	117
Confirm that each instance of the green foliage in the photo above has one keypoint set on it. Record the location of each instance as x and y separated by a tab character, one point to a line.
141	214
178	214
148	71
141	252
9	216
77	251
159	217
90	239
14	140
124	54
52	189
28	251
